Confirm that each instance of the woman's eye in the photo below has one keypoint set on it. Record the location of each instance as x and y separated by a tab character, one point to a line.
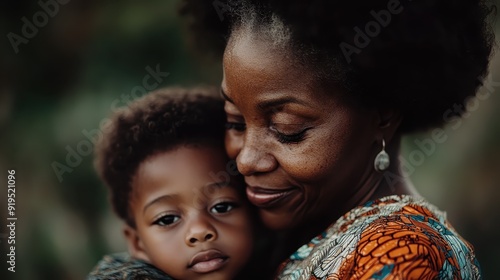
236	126
166	220
292	138
223	207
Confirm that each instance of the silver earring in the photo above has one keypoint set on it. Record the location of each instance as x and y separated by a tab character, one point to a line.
382	160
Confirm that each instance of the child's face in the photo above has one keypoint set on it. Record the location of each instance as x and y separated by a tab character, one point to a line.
190	221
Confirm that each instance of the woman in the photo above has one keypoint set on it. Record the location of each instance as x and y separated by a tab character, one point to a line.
318	95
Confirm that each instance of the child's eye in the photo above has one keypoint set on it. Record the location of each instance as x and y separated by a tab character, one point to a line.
223	207
240	127
166	220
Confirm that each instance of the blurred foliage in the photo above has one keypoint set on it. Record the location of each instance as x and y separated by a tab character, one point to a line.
64	81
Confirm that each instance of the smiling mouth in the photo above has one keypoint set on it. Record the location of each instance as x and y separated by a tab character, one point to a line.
208	261
269	198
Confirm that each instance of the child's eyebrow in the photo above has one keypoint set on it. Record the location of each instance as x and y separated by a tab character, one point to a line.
219	184
158	199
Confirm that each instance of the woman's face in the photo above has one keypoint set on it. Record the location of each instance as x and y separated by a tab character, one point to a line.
303	151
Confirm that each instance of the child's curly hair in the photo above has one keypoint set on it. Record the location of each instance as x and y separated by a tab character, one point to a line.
158	122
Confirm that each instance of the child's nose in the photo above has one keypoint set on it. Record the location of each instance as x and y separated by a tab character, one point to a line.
200	231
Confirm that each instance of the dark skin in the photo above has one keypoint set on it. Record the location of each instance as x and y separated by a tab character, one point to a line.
305	151
183	211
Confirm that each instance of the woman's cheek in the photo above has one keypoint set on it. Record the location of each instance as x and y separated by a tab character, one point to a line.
299	170
311	169
233	144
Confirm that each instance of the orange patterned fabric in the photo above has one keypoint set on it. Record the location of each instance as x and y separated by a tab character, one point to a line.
397	237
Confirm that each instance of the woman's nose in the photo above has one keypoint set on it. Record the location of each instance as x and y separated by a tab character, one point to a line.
254	156
200	230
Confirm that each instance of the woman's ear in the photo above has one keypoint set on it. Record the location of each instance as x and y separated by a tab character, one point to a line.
388	123
135	245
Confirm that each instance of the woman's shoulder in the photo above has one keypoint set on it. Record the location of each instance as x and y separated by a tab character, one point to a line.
415	239
122	266
397	235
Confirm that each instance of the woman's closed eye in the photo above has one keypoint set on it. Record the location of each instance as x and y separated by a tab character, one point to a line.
290	137
166	220
223	207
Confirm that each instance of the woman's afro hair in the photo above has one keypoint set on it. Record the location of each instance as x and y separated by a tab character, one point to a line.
423	60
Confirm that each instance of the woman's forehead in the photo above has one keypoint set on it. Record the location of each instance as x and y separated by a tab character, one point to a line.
257	52
256	81
258	61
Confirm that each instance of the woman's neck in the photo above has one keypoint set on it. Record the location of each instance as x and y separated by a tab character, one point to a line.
374	185
392	181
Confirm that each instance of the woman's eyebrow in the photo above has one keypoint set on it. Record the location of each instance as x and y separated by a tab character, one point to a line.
224	95
267	104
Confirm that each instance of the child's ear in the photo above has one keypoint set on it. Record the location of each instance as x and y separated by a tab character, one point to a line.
135	245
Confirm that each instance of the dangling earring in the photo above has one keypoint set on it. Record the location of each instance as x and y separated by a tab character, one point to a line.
382	160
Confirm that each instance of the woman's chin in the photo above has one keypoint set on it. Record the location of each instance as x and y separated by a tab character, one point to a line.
277	221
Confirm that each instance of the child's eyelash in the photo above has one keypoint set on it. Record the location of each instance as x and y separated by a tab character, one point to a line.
224	206
236	126
166	220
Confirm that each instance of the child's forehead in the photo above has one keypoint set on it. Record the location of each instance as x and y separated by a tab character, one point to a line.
189	157
204	169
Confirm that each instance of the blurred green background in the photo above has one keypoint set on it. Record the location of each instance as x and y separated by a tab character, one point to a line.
89	56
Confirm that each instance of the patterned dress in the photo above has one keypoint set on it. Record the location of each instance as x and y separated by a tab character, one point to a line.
122	267
396	237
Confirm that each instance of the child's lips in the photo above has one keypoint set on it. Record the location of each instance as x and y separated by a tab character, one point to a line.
208	261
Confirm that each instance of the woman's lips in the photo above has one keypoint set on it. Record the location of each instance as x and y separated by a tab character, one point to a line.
208	261
267	198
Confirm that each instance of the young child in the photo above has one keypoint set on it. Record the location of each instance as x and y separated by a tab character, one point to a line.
172	184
